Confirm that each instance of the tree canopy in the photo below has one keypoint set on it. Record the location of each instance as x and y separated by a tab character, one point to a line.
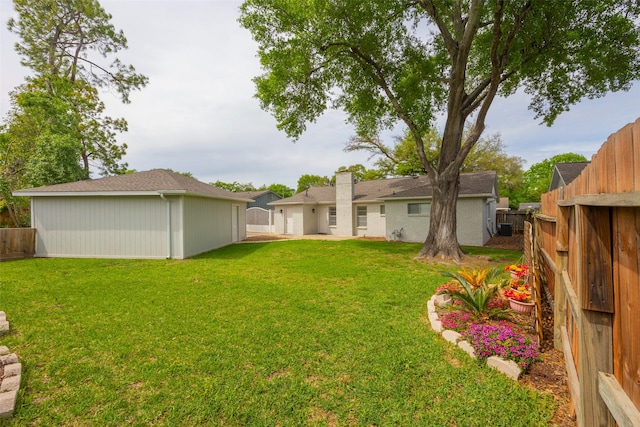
402	159
537	178
57	130
393	60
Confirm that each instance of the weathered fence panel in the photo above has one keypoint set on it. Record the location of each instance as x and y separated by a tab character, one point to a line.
17	243
590	256
515	218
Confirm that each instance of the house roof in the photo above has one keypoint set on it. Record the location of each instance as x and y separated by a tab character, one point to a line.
471	184
565	173
254	194
151	182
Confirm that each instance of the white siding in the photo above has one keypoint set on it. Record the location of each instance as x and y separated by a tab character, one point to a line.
472	219
414	227
376	223
100	227
323	220
207	224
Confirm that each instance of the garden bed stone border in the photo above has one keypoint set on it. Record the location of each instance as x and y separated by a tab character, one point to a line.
11	375
507	367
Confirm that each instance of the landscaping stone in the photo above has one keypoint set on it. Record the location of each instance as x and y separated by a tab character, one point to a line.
433	316
8	403
431	306
508	367
451	336
12	370
9	359
436	325
464	345
10	381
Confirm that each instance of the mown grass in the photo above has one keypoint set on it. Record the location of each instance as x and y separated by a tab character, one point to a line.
287	333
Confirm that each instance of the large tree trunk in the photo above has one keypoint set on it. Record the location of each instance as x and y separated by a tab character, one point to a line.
442	240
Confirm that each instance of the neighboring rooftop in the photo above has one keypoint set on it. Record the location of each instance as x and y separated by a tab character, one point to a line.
153	182
565	173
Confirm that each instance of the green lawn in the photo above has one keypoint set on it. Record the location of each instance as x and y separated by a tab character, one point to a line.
290	333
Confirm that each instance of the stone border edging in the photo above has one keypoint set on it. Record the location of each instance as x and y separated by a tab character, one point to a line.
507	367
11	375
4	325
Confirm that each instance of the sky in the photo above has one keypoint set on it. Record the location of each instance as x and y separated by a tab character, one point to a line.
198	113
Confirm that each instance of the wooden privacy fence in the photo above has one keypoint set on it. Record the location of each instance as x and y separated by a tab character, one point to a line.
588	234
17	243
515	218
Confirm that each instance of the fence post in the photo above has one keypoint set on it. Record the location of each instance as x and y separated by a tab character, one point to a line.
562	258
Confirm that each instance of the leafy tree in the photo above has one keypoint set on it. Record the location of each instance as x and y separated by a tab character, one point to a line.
360	173
279	189
187	174
57	37
57	130
234	186
307	181
537	179
409	61
487	154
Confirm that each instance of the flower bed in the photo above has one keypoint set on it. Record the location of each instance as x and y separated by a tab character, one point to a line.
480	313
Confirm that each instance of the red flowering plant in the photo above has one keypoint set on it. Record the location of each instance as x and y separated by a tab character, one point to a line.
518	292
448	287
518	271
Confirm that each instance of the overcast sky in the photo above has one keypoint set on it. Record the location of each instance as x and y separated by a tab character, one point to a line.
198	114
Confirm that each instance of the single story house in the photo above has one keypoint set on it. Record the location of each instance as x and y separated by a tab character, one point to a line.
152	214
564	174
395	208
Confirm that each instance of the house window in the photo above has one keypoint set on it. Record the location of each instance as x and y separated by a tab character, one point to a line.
362	216
418	208
382	210
332	216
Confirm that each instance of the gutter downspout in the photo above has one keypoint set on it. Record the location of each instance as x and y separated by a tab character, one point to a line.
168	224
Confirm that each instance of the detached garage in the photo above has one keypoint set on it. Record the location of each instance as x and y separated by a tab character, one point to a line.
152	214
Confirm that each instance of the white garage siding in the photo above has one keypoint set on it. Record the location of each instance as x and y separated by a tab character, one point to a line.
206	224
100	227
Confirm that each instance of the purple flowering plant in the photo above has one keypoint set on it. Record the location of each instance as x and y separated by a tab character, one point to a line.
457	321
503	341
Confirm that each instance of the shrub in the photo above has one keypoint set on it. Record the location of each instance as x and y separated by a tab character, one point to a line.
503	341
477	299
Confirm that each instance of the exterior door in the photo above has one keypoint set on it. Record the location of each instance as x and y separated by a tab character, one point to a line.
289	222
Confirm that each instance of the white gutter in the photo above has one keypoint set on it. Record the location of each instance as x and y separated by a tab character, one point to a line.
168	224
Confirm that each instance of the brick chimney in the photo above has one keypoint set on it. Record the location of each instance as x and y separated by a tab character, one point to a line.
344	204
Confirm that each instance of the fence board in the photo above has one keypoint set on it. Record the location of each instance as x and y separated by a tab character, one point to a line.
635	135
17	243
597	277
626	345
624	160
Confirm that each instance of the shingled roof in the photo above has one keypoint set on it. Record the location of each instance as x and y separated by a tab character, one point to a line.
471	184
565	173
139	183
